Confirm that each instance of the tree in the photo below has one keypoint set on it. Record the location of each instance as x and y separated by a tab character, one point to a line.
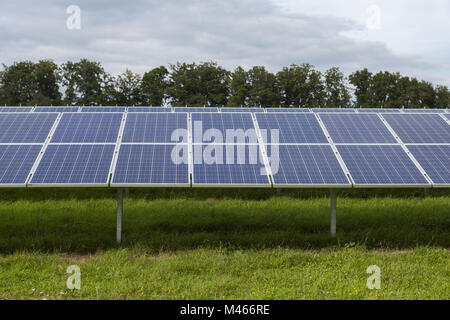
86	83
239	88
263	88
442	97
154	86
362	81
128	90
336	92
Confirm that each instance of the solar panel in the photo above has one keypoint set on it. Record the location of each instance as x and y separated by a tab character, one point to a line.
356	128
287	110
87	128
149	109
435	160
26	127
74	165
155	127
291	128
229	126
423	110
103	109
192	109
16	162
56	109
305	165
447	116
379	110
152	165
16	109
419	128
242	110
317	110
380	165
226	165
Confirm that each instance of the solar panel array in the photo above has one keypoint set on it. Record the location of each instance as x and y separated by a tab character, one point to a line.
157	146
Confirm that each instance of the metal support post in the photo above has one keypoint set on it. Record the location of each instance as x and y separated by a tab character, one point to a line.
333	213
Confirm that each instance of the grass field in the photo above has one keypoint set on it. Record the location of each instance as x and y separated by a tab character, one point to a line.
224	244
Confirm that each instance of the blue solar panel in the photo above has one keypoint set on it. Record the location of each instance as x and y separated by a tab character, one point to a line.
419	128
287	110
225	124
56	109
155	127
149	109
15	109
88	127
435	160
74	164
447	116
371	165
193	109
291	128
380	110
423	110
356	128
229	165
305	165
103	109
317	110
26	127
16	162
152	165
242	110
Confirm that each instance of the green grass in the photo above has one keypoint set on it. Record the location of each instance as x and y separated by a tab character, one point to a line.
224	244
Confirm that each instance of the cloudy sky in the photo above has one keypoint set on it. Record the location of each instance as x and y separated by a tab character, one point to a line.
408	36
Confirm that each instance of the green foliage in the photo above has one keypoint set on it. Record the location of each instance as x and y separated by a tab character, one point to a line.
263	88
154	86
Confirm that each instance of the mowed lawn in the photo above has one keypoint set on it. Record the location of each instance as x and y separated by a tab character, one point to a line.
223	245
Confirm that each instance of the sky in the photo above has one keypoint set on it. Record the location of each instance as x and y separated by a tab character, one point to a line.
406	36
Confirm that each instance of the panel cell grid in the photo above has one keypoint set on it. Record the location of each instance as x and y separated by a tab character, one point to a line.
155	128
423	110
435	160
290	128
103	109
287	110
356	128
379	110
383	165
148	109
16	109
26	127
333	110
88	128
313	165
56	109
242	110
419	128
194	109
74	165
223	128
152	165
16	162
224	165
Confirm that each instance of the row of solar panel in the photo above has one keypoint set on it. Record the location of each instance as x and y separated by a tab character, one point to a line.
279	128
297	163
208	109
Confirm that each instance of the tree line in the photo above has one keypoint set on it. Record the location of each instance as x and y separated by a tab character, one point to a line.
207	84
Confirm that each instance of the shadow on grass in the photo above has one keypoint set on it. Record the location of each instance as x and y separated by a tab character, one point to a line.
88	226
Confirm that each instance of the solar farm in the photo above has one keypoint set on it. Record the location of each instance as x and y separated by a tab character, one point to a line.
308	156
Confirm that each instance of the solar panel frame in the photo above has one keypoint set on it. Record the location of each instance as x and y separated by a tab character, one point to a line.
348	158
195	109
233	109
38	127
42	162
276	110
66	133
313	133
148	109
431	158
16	109
103	109
354	128
56	109
128	148
303	158
378	110
27	163
333	110
423	111
419	128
